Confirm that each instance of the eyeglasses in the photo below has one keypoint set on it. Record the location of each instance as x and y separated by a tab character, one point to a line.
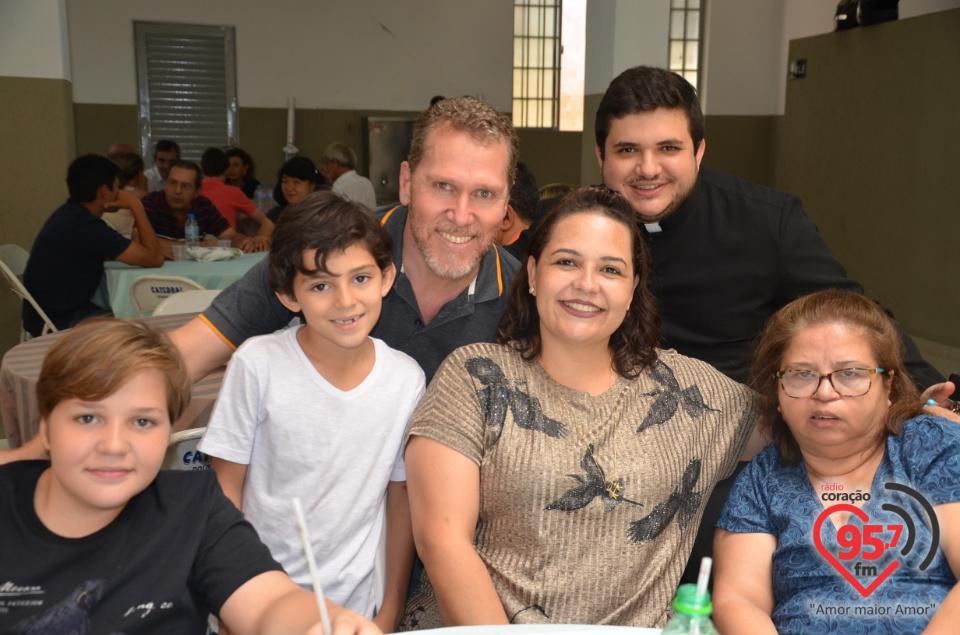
848	382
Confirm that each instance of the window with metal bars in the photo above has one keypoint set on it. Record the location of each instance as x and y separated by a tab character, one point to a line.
536	63
685	36
187	86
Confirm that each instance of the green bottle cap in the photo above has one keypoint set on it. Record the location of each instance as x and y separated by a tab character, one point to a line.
689	602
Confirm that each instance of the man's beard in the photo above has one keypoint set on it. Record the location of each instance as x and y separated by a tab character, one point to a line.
453	271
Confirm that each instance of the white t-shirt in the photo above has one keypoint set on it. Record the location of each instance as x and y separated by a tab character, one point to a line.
335	450
155	182
356	188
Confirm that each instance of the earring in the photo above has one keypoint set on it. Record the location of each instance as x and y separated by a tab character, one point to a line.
533	291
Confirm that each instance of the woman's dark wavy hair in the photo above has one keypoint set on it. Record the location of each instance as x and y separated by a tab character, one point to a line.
832	306
635	342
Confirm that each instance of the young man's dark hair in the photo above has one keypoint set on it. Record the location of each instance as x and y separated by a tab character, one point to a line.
165	145
190	165
325	222
524	195
214	162
644	89
87	173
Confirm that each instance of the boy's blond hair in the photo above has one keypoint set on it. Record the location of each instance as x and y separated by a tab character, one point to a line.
98	356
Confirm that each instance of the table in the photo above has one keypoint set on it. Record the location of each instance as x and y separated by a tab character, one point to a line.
210	275
21	368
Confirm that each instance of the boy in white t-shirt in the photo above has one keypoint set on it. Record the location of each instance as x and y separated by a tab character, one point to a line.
319	411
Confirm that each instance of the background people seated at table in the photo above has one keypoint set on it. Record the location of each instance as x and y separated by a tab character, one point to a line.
295	179
845	418
97	539
229	199
167	211
164	153
521	217
338	163
241	171
132	180
66	260
581	455
452	283
299	407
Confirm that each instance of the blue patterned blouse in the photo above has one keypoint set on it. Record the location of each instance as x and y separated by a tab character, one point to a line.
810	595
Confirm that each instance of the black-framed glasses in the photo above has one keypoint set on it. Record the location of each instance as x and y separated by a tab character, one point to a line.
848	382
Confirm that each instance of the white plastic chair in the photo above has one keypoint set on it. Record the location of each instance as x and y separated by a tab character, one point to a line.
13	262
146	292
182	453
186	302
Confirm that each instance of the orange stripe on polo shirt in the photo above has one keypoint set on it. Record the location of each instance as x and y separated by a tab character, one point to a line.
204	319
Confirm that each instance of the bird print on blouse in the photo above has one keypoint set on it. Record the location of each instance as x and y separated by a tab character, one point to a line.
670	397
497	395
682	505
593	485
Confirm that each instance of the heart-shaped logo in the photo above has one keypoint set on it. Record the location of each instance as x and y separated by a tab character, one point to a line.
829	557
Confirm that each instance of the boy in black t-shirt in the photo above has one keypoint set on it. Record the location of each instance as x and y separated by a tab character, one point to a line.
98	540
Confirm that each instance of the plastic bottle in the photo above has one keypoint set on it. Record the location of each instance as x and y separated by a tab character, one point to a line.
693	613
191	232
263	198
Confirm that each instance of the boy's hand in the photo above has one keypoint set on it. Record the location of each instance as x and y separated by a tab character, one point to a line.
346	622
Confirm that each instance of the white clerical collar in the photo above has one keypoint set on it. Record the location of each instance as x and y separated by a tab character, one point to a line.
653	228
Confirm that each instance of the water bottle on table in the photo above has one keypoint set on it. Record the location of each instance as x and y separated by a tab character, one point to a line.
191	233
263	198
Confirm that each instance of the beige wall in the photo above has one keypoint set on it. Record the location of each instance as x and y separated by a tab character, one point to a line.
328	54
869	141
36	133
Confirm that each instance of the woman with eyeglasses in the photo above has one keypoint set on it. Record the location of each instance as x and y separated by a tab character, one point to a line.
812	538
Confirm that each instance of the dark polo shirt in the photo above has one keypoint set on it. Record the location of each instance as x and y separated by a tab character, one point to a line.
249	307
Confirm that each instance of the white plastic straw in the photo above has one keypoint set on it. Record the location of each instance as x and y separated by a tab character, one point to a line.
705	565
312	565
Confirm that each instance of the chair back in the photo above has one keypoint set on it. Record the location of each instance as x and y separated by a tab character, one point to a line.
13	262
15	257
182	453
186	302
146	292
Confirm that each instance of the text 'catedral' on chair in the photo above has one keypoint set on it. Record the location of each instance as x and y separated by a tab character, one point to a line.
147	292
186	302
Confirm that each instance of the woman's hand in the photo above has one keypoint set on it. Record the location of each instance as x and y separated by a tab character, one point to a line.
940	395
